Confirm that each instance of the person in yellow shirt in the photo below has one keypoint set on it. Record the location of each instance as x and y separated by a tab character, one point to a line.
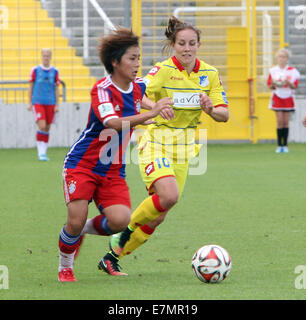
166	146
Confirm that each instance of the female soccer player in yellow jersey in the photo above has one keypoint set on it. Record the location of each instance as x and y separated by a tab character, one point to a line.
166	146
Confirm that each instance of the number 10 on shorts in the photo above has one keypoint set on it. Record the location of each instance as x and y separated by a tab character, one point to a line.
163	162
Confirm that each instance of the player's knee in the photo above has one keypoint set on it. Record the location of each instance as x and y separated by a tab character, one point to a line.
75	226
119	222
169	200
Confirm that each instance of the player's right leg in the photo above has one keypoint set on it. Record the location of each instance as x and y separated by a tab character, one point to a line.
42	134
79	187
70	237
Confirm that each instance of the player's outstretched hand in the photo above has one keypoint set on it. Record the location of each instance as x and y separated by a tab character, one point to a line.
304	120
30	107
206	103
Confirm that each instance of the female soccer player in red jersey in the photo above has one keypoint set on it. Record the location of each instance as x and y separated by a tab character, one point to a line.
283	79
167	146
94	167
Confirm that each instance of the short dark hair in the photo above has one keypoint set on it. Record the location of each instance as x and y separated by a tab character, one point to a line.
113	46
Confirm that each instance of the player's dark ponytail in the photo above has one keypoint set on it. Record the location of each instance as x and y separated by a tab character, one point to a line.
173	23
174	26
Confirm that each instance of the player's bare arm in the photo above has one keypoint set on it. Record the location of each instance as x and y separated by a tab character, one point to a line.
220	114
166	113
290	84
30	96
56	109
132	121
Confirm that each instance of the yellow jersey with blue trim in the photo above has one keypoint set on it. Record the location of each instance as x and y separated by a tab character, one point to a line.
170	79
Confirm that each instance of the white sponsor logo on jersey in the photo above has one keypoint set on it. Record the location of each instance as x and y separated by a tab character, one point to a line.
186	100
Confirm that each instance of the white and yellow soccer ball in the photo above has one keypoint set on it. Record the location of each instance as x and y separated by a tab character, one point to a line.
211	263
279	79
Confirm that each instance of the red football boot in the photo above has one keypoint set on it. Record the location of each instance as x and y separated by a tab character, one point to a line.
66	275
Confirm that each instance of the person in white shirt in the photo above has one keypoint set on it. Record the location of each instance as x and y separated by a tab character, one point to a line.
283	80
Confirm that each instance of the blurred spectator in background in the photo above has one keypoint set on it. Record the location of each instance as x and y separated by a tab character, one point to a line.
304	120
283	80
43	100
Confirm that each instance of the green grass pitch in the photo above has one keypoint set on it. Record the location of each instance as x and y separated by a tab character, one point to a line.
251	201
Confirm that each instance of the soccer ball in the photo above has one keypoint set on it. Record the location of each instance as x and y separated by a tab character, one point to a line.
211	263
279	79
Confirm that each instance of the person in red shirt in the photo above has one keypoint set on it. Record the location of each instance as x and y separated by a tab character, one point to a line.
94	167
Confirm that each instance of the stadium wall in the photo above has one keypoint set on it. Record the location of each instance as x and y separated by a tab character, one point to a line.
18	129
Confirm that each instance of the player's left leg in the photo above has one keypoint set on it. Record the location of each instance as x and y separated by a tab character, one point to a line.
286	118
111	197
279	131
116	218
49	118
143	233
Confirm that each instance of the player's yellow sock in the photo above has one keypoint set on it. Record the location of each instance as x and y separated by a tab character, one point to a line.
147	211
138	238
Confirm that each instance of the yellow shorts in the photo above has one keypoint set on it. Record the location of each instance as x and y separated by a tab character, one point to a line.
160	166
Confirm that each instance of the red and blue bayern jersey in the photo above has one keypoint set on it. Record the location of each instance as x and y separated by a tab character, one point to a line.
45	81
99	148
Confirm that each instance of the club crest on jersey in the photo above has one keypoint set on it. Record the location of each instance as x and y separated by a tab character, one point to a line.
71	186
203	80
138	105
149	168
117	108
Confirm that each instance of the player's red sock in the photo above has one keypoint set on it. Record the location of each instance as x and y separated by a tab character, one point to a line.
42	136
100	223
42	139
67	245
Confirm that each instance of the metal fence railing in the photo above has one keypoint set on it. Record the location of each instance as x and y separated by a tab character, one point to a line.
15	91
